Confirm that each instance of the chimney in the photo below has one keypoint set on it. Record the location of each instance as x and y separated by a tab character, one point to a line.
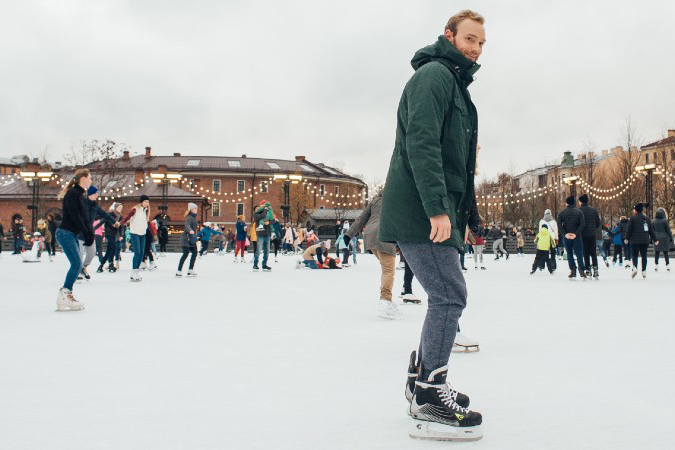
299	159
244	155
176	154
125	155
671	133
147	153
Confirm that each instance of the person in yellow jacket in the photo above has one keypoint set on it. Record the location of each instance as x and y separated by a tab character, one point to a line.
545	242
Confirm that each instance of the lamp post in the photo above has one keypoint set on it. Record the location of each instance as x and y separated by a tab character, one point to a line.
572	182
34	179
648	171
165	179
287	180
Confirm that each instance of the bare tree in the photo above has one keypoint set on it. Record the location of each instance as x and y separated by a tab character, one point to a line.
104	158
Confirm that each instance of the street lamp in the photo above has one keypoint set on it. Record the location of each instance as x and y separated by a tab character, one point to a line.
648	171
165	179
34	179
572	182
287	180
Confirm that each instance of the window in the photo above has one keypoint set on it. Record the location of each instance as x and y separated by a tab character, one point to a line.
191	184
336	191
216	185
240	209
264	188
241	186
306	168
656	157
234	163
273	165
646	158
672	154
322	190
193	162
215	209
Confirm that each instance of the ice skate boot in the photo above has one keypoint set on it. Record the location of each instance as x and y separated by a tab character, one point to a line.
464	344
644	274
111	268
117	265
266	268
51	257
606	262
100	269
85	274
143	266
179	274
596	275
152	266
667	267
656	268
482	268
634	273
191	273
409	297
533	271
572	275
256	268
437	415
65	301
386	309
413	373
276	259
135	277
236	260
587	272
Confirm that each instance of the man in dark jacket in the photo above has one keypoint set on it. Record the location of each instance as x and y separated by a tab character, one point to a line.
263	213
429	200
639	233
571	225
588	235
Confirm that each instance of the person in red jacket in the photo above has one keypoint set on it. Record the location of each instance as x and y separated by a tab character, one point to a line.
478	250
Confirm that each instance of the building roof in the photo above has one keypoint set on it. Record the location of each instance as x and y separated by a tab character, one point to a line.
331	214
230	164
666	141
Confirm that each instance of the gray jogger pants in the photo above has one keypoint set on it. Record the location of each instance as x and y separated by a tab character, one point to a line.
438	270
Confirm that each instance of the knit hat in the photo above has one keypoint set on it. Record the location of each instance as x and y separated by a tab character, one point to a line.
191	206
570	200
639	207
240	217
583	199
92	190
544	226
264	202
144	198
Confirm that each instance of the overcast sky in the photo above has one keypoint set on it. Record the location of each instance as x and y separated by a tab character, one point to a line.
323	78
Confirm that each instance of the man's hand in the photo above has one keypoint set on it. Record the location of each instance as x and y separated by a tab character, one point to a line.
440	228
571	236
116	225
625	241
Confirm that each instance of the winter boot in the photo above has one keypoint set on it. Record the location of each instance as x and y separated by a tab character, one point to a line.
65	301
437	414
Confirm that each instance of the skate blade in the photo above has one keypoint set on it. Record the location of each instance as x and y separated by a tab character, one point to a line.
69	310
433	431
465	348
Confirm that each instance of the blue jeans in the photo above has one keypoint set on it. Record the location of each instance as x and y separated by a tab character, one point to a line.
355	248
71	247
138	243
602	250
264	245
574	247
310	263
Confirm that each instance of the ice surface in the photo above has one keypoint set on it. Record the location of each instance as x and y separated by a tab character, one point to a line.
297	359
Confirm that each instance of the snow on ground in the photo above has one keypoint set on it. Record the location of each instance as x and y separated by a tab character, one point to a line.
297	359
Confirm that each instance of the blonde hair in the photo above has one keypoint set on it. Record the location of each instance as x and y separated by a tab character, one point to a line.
80	173
455	20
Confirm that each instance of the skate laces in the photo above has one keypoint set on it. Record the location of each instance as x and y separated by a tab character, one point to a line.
449	396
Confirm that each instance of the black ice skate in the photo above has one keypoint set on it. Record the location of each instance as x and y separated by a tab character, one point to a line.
409	297
596	275
413	374
266	268
572	275
437	414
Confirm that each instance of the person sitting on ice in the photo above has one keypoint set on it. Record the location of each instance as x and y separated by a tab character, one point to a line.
35	252
317	250
545	242
330	263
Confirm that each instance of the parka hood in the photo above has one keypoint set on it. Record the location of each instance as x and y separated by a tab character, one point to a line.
660	213
446	53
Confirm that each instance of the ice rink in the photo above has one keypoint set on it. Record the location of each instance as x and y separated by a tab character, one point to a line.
297	359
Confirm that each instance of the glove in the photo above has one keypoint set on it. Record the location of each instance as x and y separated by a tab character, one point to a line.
88	240
474	221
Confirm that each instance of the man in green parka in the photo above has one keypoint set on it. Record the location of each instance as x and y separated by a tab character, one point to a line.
428	203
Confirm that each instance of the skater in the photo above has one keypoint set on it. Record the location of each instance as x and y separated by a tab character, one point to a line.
606	245
590	236
3	237
205	237
618	244
478	250
150	237
188	241
520	242
18	231
342	246
240	246
263	217
552	225
428	201
162	237
75	222
665	237
93	212
299	239
276	237
112	237
544	242
43	228
289	238
638	233
138	219
571	222
623	227
385	252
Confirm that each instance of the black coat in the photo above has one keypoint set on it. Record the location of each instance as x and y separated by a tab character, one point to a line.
591	222
75	214
636	233
663	233
571	220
